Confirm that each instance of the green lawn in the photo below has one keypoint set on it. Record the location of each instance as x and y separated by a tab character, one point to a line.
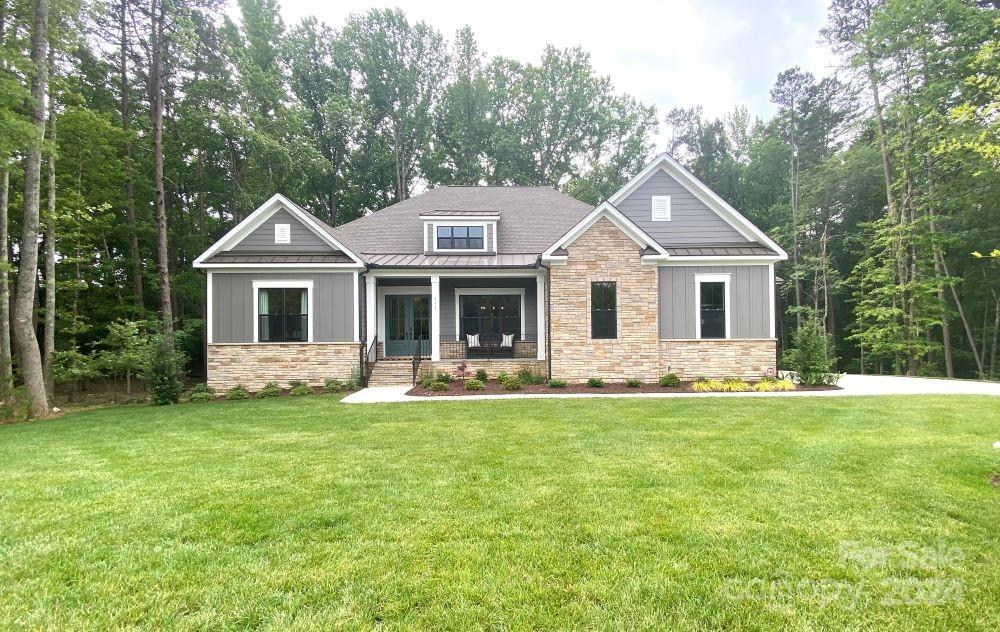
603	513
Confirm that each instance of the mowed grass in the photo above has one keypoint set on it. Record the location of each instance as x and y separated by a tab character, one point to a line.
304	513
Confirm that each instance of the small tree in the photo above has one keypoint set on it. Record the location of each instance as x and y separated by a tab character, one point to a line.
809	356
163	366
128	346
72	367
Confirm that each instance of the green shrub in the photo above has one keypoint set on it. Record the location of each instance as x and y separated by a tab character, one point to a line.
353	383
426	381
237	393
595	382
633	382
527	377
444	376
201	387
809	356
707	386
14	405
512	384
554	383
301	388
502	377
474	385
439	386
162	369
271	389
201	396
670	380
333	385
481	375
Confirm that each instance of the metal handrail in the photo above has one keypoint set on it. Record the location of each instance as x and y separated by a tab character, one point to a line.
371	357
417	348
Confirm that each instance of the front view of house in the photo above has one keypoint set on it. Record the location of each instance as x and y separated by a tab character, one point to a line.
663	277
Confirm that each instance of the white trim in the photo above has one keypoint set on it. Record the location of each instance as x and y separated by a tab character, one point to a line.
748	260
652	214
698	188
497	291
381	273
770	296
617	218
711	278
386	290
371	309
459	218
208	308
357	308
436	317
308	285
282	233
434	227
253	221
284	267
540	290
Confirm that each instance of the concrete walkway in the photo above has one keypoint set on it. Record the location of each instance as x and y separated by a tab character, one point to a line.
850	385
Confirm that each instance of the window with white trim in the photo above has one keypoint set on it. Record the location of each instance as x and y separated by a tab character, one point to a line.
661	208
460	237
712	305
282	314
282	233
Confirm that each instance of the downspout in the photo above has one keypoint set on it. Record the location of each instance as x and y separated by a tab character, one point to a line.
548	317
362	313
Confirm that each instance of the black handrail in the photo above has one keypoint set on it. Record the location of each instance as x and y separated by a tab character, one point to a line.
371	357
417	348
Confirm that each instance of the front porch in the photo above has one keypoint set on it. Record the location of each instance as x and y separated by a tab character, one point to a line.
458	315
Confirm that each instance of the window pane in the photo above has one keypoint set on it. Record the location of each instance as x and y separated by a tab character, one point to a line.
444	231
603	310
460	243
476	231
460	231
713	310
475	244
603	324
282	314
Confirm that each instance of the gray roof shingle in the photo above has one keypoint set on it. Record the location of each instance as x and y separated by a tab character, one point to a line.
326	257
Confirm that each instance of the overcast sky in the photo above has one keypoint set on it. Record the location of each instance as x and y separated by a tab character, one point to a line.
670	53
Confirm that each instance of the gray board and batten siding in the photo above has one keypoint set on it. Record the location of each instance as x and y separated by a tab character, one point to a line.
232	304
303	239
691	221
749	300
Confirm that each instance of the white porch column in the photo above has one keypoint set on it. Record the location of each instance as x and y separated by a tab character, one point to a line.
371	317
540	308
435	318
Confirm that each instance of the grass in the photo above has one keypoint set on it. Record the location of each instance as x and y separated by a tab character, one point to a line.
307	513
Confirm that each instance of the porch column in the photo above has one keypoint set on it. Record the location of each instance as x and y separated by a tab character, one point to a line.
540	309
371	317
435	318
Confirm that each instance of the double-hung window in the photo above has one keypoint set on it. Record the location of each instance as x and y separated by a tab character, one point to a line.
460	237
603	310
282	314
712	301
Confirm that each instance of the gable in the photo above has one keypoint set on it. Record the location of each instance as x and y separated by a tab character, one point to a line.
261	239
692	222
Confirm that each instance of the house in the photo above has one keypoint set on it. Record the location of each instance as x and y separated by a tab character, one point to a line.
664	276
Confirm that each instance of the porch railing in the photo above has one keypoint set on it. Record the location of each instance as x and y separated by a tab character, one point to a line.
417	357
371	357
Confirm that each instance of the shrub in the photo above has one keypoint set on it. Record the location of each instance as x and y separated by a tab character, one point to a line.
734	385
444	376
554	383
201	387
670	380
701	378
353	383
333	385
633	382
462	369
162	369
707	386
301	388
512	384
438	386
481	375
809	356
271	389
502	377
595	382
527	377
474	385
771	385
427	380
200	397
15	405
237	393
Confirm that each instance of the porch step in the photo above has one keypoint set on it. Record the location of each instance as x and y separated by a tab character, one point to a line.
392	373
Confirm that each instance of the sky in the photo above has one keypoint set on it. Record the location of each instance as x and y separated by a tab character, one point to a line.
670	53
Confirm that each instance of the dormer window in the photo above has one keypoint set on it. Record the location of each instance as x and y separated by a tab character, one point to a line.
661	208
460	238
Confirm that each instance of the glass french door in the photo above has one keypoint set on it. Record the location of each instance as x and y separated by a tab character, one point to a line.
407	321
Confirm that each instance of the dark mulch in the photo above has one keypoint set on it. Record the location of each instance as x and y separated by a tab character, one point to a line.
493	387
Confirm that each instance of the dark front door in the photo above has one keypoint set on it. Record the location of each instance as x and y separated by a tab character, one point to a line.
407	321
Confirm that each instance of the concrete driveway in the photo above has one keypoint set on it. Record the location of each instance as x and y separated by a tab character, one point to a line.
896	385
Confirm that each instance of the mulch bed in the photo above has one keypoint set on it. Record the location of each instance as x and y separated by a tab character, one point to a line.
493	387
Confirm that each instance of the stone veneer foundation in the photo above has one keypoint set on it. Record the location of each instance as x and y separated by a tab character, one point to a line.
254	365
492	367
604	253
745	358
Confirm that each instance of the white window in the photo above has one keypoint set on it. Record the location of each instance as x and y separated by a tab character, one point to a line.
282	233
711	303
282	311
661	208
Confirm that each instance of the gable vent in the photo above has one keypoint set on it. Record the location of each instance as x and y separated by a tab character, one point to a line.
661	208
282	233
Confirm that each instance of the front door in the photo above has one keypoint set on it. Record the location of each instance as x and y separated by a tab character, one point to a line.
407	320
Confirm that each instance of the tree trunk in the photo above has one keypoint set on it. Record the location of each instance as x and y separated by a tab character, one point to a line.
133	233
29	359
965	321
49	341
996	334
6	370
157	53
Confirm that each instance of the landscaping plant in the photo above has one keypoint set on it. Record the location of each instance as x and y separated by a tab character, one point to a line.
512	384
237	393
555	383
809	356
438	386
474	385
481	375
333	385
633	382
595	382
670	380
301	388
271	389
162	370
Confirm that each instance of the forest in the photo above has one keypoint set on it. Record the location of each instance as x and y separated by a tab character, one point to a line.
134	134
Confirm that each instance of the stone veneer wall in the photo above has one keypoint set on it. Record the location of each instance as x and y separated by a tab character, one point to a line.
254	365
604	253
746	358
